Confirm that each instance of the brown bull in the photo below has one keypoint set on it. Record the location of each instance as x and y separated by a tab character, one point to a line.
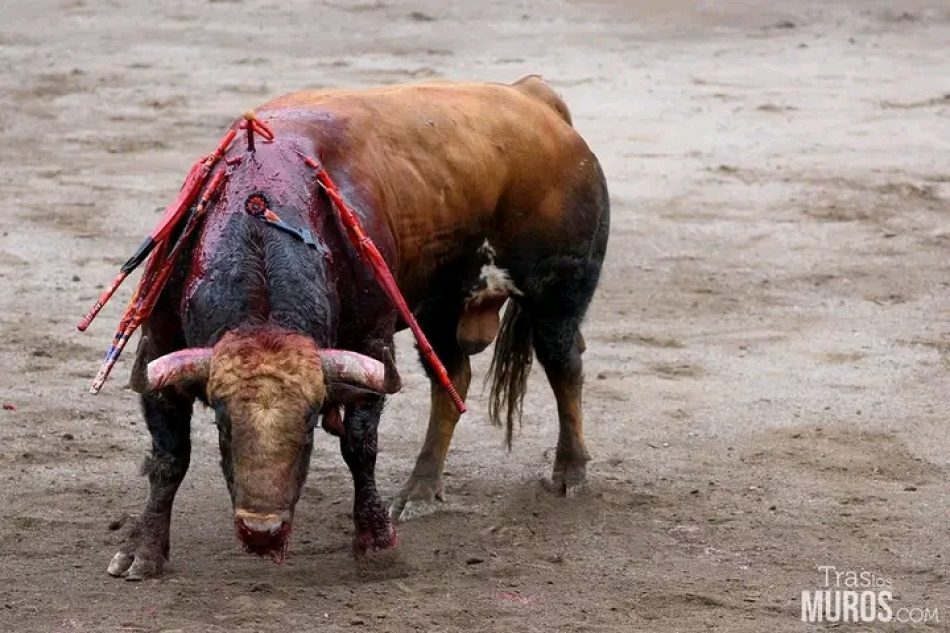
474	193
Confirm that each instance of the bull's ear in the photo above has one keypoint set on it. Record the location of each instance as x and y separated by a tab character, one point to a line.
333	421
392	382
138	380
342	393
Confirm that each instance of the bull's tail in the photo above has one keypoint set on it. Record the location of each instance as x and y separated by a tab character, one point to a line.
510	366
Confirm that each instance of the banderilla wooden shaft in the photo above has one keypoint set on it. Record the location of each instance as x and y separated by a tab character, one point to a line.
374	259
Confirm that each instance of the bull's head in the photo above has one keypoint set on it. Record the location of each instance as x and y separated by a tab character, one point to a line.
268	388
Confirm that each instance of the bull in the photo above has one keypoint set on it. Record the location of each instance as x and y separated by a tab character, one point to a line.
475	194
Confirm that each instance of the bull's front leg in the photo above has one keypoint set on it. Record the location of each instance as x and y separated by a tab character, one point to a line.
168	416
374	530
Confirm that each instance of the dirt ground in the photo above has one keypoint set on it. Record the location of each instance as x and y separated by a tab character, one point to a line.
769	350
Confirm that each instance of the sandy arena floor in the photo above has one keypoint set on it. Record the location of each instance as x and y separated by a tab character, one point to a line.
769	350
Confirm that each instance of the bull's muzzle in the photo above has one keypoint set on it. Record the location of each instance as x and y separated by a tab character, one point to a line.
264	534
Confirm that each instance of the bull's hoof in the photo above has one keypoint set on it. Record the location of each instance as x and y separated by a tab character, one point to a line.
140	565
419	497
382	537
564	488
568	480
417	508
144	553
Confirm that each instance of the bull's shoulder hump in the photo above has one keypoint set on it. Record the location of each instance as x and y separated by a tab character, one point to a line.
536	87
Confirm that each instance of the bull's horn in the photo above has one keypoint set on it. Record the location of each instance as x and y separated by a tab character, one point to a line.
354	368
187	365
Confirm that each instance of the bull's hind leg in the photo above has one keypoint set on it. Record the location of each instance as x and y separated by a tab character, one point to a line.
559	288
423	493
168	416
556	311
559	345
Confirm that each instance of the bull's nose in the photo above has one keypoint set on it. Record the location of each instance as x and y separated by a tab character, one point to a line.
260	524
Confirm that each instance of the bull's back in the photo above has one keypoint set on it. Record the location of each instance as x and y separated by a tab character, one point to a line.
452	163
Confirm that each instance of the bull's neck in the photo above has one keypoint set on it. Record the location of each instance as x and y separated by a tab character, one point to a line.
247	271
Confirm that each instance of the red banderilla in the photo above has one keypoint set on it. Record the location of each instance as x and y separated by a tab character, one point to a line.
173	213
152	283
373	258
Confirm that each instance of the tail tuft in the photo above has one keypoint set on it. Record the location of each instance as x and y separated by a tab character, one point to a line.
510	366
